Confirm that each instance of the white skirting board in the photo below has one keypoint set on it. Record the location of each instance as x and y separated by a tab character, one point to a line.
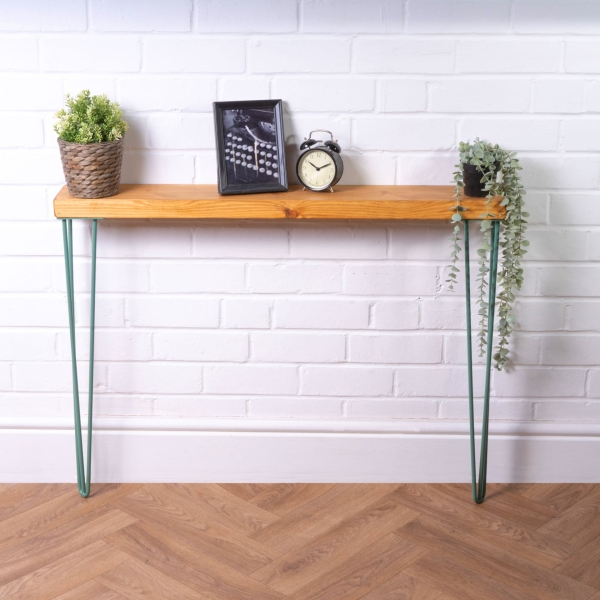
246	450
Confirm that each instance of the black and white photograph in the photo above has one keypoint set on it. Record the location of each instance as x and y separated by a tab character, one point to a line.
250	147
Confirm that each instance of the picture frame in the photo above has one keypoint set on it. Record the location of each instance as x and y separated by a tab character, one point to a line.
250	145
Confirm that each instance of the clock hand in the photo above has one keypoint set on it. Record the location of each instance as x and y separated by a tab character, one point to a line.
315	166
327	165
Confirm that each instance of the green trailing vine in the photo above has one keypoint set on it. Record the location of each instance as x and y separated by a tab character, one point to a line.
90	119
499	177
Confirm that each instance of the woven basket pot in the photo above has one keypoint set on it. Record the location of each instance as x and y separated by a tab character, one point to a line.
92	170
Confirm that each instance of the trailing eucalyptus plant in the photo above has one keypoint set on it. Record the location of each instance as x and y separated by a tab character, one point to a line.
499	171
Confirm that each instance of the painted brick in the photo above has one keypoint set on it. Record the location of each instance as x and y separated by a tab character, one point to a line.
147	241
516	134
97	84
569	410
30	92
574	209
581	135
234	241
154	378
172	311
284	408
32	166
346	381
540	315
23	203
167	93
378	348
270	16
556	245
376	55
5	380
301	55
338	242
298	347
109	311
33	310
18	54
549	172
558	96
21	131
140	15
91	53
251	379
110	346
27	345
25	275
490	56
189	55
540	383
569	281
179	131
327	94
570	350
404	95
30	239
458	16
594	384
480	95
436	381
391	409
524	349
582	56
52	376
583	316
321	314
201	346
146	167
404	133
435	168
114	276
39	15
294	278
419	243
396	314
539	16
192	277
199	406
443	313
352	16
395	280
592	96
205	167
365	169
244	88
245	313
500	410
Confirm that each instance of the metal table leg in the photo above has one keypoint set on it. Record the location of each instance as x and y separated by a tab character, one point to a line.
83	484
478	490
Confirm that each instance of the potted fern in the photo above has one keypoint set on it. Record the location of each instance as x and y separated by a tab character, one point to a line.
90	137
487	170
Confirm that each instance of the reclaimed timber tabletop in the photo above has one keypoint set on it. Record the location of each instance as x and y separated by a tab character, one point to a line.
194	201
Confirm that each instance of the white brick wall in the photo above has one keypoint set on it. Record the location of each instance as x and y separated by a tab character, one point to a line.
335	320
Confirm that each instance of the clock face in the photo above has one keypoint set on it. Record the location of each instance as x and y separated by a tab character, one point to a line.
316	169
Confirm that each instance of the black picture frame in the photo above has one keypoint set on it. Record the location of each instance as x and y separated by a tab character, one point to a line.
248	131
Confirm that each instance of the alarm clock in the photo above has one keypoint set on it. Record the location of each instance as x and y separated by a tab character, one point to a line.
319	165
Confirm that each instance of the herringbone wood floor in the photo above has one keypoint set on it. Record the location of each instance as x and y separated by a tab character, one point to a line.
299	542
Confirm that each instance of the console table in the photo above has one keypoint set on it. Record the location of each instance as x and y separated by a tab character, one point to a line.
202	202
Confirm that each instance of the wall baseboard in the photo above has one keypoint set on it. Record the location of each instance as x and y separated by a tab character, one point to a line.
251	450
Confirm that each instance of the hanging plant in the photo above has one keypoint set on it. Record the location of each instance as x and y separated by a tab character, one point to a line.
487	170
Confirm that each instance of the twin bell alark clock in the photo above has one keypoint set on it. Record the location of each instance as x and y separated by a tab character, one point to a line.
319	165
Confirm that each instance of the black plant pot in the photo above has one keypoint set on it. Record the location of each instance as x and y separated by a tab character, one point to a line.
472	180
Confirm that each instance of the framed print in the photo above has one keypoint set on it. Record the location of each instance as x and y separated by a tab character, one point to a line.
250	147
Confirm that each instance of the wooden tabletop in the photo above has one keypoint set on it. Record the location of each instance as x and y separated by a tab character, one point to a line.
370	202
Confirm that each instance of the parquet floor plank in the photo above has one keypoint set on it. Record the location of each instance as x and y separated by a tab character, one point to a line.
57	511
432	500
403	587
579	524
138	581
300	542
179	559
559	496
161	508
584	566
492	562
226	508
49	546
363	572
506	504
322	513
65	574
285	497
92	590
21	498
332	548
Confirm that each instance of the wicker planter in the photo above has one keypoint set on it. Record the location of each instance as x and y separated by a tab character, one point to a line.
92	170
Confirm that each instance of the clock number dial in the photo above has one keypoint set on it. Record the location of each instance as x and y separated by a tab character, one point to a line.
317	170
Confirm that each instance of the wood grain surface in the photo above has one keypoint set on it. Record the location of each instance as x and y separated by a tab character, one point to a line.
299	542
366	202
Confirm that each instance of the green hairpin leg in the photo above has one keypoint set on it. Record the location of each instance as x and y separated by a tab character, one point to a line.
479	489
83	484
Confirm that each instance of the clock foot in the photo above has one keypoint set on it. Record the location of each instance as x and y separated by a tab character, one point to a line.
331	189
